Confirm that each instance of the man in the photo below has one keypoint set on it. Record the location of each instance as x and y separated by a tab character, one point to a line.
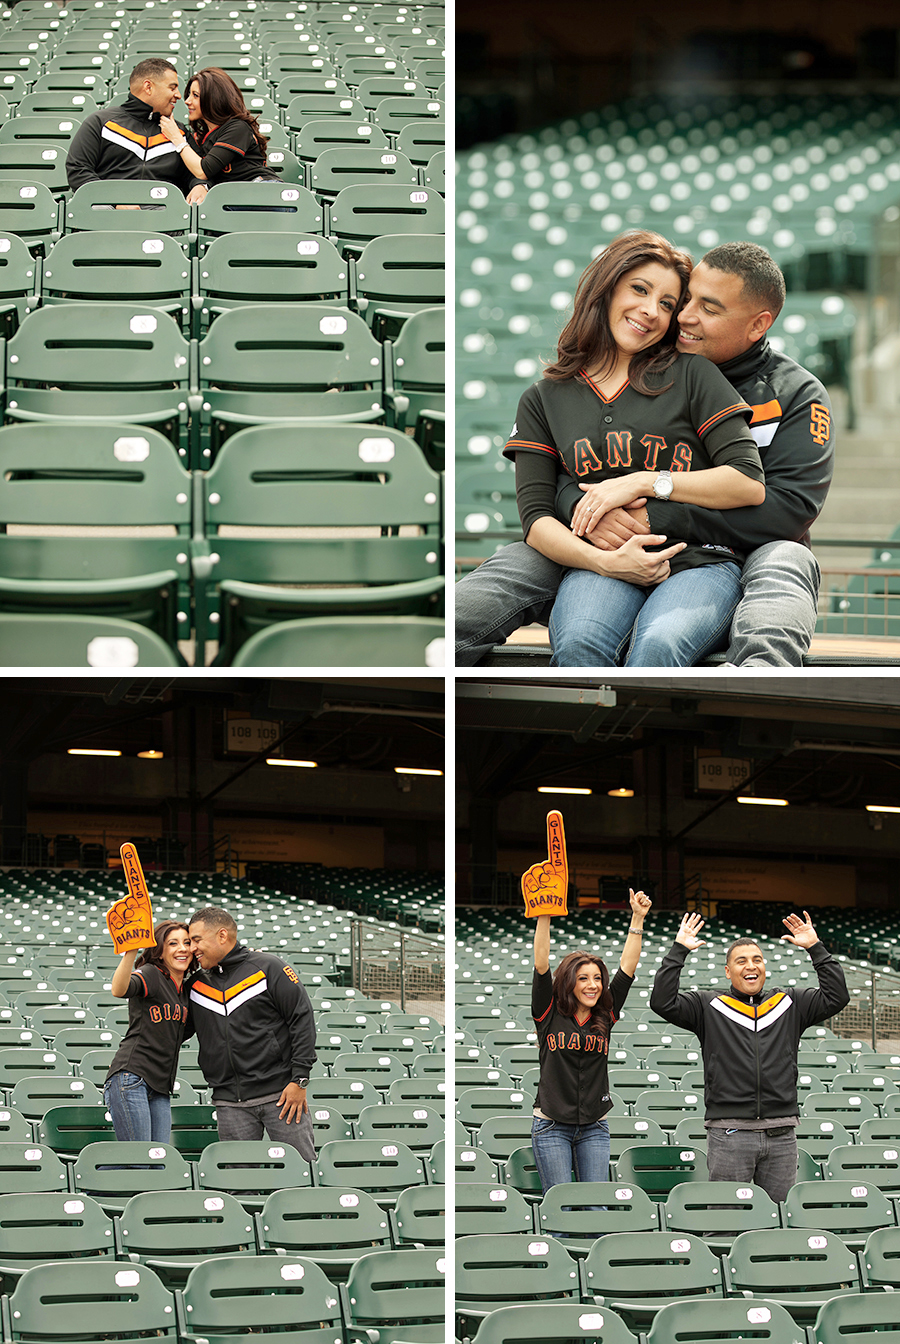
749	1040
735	294
257	1038
125	143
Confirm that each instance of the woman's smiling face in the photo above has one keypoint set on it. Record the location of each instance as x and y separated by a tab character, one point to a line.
192	98
588	985
643	305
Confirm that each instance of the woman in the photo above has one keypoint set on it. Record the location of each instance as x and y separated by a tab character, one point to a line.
226	144
574	1012
142	1074
619	416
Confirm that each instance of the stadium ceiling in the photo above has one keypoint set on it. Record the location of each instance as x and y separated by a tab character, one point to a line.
358	723
818	741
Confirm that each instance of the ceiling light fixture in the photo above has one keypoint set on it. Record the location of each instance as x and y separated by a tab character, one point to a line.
283	760
91	751
561	788
765	802
414	770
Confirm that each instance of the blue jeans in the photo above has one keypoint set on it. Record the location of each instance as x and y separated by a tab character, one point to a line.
601	622
772	626
138	1113
559	1150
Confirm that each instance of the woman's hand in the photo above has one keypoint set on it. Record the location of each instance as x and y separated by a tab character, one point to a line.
640	904
605	495
633	563
171	131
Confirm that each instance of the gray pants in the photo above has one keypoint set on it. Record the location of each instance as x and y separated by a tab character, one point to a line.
753	1157
251	1122
772	627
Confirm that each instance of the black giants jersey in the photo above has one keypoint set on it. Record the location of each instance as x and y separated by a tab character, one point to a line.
574	1056
157	1013
590	437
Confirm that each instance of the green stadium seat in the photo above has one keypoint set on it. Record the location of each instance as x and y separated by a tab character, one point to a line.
855	1315
714	1322
82	476
332	1226
39	162
380	1169
91	1300
301	109
251	1170
193	1128
14	1128
141	268
112	1171
244	268
850	1208
848	1108
68	1129
799	1268
638	1273
80	641
400	1294
579	1212
434	174
416	1126
42	128
471	1164
486	1208
260	1294
361	213
520	1171
26	1168
351	641
29	211
555	1323
419	1217
39	1227
497	1270
259	207
348	1095
381	1068
394	111
658	1170
718	1211
315	137
501	1135
820	1136
172	1231
396	276
92	207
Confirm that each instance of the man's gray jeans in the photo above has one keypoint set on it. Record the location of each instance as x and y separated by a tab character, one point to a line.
772	627
754	1157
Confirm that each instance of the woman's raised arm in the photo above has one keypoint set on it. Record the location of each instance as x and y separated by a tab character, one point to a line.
542	944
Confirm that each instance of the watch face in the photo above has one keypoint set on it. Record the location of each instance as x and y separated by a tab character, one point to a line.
663	487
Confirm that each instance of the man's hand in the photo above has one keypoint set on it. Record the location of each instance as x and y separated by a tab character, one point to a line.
293	1103
619	526
687	932
197	195
800	931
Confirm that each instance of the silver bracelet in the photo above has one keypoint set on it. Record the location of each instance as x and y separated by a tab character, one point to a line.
632	930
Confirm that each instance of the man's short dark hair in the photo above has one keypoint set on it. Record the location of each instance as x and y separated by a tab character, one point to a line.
215	917
155	67
761	276
738	942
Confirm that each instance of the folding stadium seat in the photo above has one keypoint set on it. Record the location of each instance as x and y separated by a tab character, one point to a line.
657	1170
492	1209
418	1127
375	90
471	1164
92	1300
43	128
172	1231
478	1104
316	137
249	369
379	1067
75	81
381	1169
869	1083
392	113
362	212
299	110
855	1315
326	89
14	1128
112	1172
848	1108
498	1270
426	1029
260	480
252	1170
40	1227
332	1226
429	72
419	1217
143	268
819	1136
866	1163
260	1294
143	358
799	1268
718	1211
26	1168
579	1212
666	1107
73	1043
361	163
246	268
638	1273
91	207
52	1019
37	162
556	1323
692	1321
396	276
193	1129
399	1294
24	1062
83	476
851	1209
348	1095
421	142
13	89
354	69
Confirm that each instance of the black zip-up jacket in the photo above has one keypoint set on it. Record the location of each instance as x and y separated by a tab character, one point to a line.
254	1025
749	1042
794	431
125	143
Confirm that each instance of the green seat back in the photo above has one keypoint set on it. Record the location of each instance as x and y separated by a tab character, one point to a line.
477	1104
855	1315
718	1209
471	1164
302	108
43	127
332	1225
394	112
18	1062
501	1135
850	1108
400	1293
520	1171
715	1322
819	1136
633	1083
638	1273
349	1095
89	209
428	1091
314	137
251	1170
865	1163
351	641
51	1020
434	174
416	1126
378	1066
379	1168
14	1128
657	1169
363	212
797	1267
69	1129
258	1294
240	268
174	1230
56	1226
419	1216
91	1300
75	1042
27	1167
423	144
28	211
580	1211
52	640
142	268
343	166
193	1127
490	1208
270	207
553	1323
113	1171
666	1106
38	161
852	1208
495	1270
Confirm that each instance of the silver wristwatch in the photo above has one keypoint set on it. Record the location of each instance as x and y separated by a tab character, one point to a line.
663	485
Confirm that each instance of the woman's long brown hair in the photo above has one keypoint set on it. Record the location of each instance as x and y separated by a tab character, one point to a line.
221	100
152	956
586	339
564	989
